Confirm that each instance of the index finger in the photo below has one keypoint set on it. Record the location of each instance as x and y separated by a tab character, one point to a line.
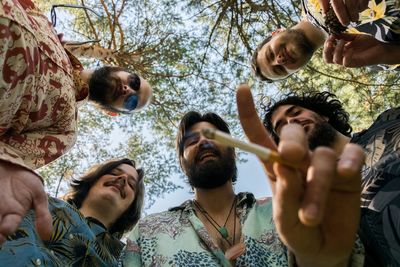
252	126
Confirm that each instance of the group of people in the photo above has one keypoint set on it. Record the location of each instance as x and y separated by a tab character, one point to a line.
340	205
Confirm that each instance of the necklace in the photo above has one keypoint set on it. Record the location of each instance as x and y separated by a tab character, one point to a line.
222	230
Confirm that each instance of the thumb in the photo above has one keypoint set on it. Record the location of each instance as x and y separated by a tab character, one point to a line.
43	219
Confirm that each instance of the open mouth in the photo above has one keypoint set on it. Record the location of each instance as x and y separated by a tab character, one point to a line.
288	56
207	154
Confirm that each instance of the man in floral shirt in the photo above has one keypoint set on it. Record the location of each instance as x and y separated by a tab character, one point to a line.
221	228
372	39
41	85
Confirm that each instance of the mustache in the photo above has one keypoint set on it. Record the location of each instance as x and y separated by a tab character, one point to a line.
118	183
208	149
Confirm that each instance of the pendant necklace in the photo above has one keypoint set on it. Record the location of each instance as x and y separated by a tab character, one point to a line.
222	230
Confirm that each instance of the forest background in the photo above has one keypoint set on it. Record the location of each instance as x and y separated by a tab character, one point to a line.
194	53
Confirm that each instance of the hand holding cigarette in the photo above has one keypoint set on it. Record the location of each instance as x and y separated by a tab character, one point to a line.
262	152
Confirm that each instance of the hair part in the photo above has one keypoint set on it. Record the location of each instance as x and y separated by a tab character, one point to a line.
79	189
323	103
193	117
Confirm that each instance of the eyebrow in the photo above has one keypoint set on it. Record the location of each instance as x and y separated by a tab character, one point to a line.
288	111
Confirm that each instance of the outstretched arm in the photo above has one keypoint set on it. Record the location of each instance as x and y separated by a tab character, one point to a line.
316	210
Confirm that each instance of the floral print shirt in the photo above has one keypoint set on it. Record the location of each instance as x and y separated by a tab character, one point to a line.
75	241
39	88
380	202
178	238
381	19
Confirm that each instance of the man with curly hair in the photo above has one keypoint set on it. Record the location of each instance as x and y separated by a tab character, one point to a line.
87	227
326	123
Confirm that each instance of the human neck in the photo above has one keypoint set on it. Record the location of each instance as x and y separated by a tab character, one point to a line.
216	200
86	75
315	36
106	215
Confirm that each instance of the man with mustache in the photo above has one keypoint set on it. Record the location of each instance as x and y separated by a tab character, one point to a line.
371	39
219	227
326	123
41	87
87	227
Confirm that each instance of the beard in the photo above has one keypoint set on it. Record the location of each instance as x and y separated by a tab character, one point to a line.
212	173
304	46
323	134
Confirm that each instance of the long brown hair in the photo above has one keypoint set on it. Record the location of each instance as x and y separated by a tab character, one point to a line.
80	189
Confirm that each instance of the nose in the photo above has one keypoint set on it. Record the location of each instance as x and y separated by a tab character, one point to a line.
292	120
122	179
125	90
280	59
205	143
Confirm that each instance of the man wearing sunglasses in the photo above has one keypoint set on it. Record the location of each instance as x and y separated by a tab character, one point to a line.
41	86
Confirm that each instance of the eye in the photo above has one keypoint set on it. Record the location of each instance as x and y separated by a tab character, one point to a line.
191	139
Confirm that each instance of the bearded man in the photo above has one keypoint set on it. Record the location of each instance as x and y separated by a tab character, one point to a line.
326	123
219	227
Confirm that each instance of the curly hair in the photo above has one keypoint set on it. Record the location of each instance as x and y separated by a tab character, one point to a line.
81	187
190	119
322	103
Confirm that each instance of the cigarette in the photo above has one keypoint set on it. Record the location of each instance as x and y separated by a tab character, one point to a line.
262	152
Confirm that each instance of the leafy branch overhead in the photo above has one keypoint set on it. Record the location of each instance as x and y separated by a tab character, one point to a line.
194	53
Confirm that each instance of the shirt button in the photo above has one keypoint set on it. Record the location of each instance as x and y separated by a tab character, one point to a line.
38	262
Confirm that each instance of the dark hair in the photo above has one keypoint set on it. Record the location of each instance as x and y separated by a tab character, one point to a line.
80	189
322	103
254	65
101	84
190	119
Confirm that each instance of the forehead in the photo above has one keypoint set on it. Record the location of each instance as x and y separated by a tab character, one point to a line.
197	127
281	112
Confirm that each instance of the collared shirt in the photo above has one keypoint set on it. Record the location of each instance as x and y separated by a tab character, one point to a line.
178	238
39	88
381	19
380	201
75	241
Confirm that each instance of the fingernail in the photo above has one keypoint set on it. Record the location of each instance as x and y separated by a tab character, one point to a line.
311	211
346	163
